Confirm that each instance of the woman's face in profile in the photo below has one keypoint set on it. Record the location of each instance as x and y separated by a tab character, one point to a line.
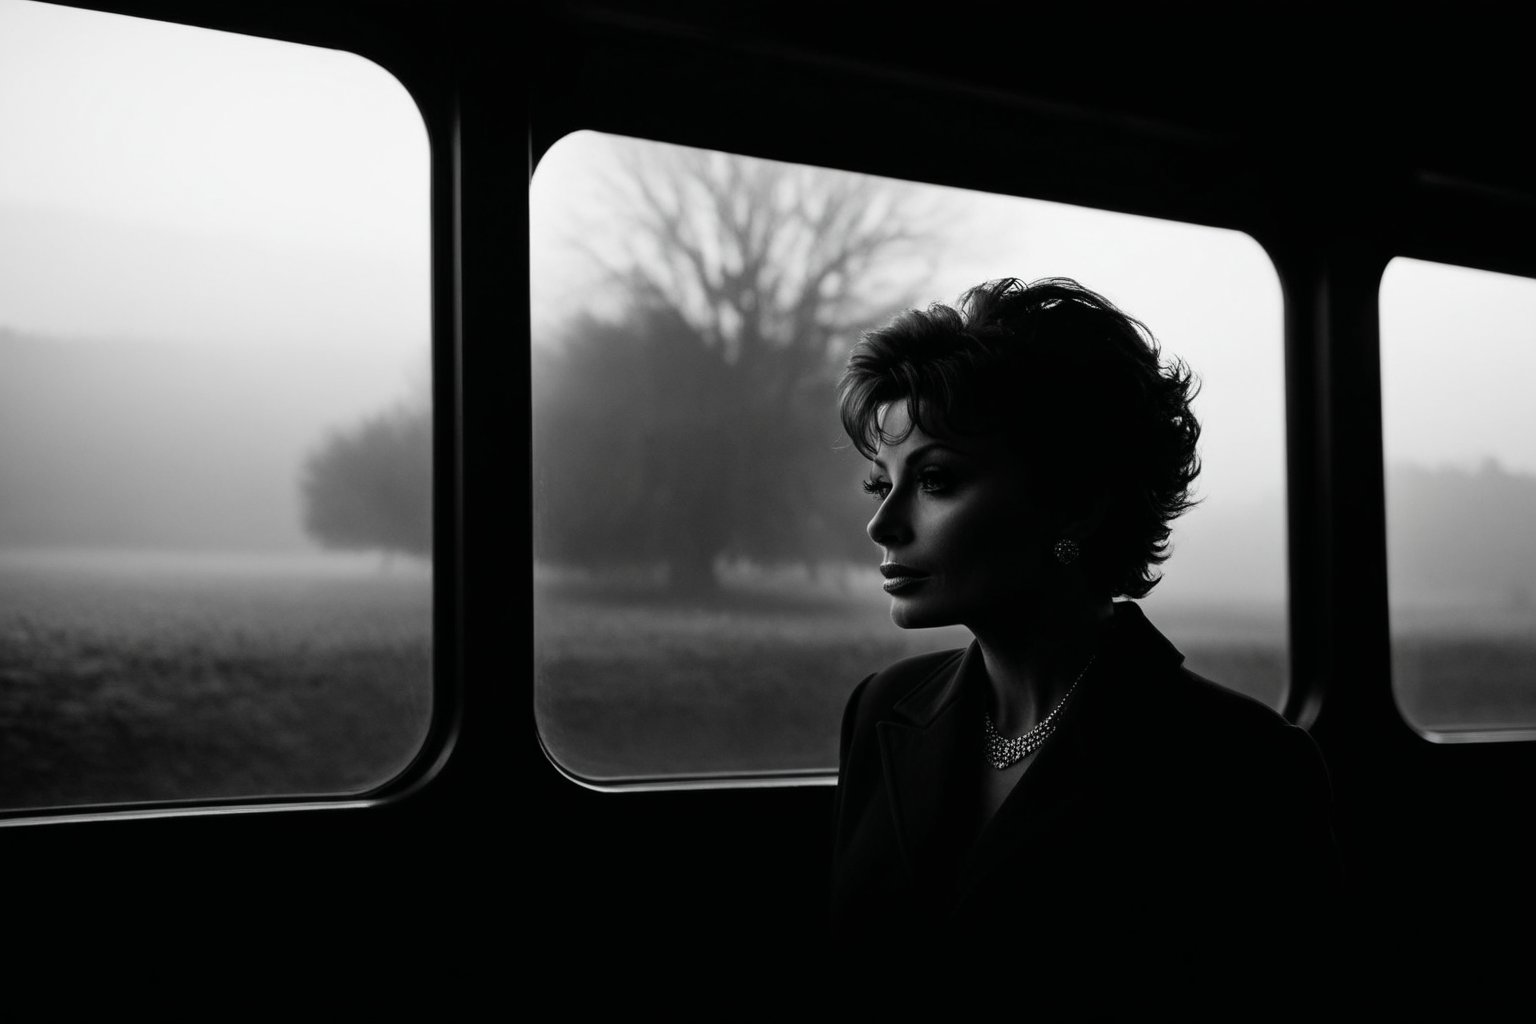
961	541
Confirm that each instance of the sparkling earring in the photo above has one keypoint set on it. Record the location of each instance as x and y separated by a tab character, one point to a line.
1067	551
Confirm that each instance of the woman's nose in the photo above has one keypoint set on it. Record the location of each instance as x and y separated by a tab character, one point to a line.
889	526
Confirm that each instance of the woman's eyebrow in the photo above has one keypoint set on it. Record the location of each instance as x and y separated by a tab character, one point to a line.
923	449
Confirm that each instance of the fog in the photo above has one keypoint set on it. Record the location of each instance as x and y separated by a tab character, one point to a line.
214	250
213	253
1211	297
170	446
1457	351
1458	366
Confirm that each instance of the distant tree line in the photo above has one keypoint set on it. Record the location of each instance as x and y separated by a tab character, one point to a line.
1462	533
368	487
693	419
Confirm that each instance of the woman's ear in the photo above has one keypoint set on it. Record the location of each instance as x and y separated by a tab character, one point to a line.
1085	525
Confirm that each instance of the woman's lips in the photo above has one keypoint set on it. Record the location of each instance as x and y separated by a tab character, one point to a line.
899	577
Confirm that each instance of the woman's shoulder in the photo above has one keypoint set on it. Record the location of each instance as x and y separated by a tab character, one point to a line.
1157	685
1205	700
1221	726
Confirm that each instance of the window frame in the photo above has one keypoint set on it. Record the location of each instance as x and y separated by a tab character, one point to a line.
1433	836
434	94
789	777
1511	734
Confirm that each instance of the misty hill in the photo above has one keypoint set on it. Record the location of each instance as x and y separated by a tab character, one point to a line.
162	445
1454	536
199	447
1462	535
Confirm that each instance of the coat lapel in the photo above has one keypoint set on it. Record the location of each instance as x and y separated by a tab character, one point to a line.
926	743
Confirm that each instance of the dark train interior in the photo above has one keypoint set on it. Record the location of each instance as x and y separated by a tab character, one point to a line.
485	869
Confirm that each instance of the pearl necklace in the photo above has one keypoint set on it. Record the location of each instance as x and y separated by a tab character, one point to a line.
1003	753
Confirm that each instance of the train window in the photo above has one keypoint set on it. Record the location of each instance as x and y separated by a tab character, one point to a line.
1459	440
215	458
705	595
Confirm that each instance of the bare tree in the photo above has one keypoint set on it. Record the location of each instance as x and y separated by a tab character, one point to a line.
744	283
761	255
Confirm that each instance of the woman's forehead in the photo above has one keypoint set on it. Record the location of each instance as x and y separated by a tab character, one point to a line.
897	428
899	431
894	418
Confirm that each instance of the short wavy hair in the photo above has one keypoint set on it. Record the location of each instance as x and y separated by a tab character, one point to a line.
1078	389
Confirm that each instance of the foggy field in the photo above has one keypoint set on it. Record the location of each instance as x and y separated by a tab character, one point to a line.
1446	683
134	680
629	684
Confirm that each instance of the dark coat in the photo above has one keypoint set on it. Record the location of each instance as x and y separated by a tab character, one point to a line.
1169	828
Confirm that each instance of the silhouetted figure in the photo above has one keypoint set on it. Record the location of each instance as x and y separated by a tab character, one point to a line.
1060	812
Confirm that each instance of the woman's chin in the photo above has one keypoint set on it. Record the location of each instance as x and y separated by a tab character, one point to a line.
908	614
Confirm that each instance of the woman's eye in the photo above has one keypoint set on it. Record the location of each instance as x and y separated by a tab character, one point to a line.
877	489
933	481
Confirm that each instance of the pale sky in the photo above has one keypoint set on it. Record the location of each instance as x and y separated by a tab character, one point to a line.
168	182
214	249
1458	345
1458	364
1211	297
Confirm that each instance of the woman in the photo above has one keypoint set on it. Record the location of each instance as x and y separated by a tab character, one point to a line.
1063	788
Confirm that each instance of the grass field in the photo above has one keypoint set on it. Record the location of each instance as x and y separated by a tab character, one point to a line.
631	684
135	679
628	682
131	678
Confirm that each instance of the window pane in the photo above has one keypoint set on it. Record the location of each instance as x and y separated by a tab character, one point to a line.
1458	354
215	460
705	594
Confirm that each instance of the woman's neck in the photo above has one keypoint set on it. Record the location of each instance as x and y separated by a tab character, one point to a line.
1033	660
